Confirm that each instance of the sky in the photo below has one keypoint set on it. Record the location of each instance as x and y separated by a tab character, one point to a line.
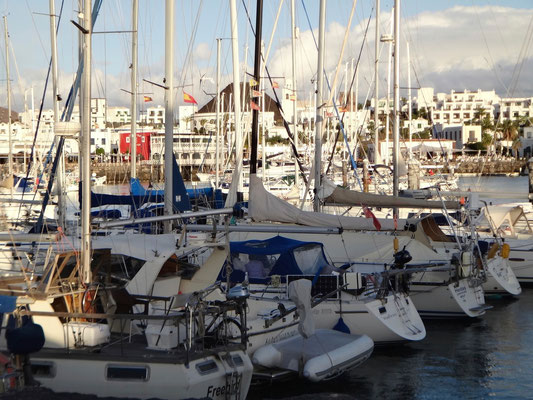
453	45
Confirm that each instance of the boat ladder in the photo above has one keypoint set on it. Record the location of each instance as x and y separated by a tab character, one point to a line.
404	315
233	382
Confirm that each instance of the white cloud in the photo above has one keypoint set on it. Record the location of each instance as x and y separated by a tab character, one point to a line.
461	47
202	52
458	48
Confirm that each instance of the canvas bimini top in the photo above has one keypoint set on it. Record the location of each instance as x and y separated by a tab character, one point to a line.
278	255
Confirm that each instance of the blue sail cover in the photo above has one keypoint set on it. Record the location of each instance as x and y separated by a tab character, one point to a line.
196	194
274	245
138	198
275	256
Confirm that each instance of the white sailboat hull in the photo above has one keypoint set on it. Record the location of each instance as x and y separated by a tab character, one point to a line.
203	378
501	278
393	319
452	300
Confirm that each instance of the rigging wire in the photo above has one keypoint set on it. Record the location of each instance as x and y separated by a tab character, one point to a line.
521	59
349	91
280	108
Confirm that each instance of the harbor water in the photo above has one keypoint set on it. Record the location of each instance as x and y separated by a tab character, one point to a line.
487	357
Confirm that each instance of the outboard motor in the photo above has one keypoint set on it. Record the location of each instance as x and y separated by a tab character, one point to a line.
400	282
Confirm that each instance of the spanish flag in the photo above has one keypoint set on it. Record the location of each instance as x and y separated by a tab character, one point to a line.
275	85
147	99
187	98
256	93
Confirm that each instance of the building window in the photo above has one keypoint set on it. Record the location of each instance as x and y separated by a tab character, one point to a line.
103	140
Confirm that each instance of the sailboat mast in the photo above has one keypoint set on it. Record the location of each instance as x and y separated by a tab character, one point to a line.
376	88
396	137
319	118
236	180
61	207
8	82
85	144
409	106
134	61
217	155
294	93
169	108
257	78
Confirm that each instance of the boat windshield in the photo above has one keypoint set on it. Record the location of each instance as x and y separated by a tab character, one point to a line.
310	258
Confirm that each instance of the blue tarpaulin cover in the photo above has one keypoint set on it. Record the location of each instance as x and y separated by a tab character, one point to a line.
7	304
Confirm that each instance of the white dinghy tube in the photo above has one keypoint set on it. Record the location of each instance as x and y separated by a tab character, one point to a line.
316	354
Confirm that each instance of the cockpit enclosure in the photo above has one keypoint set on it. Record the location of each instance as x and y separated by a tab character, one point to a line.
280	256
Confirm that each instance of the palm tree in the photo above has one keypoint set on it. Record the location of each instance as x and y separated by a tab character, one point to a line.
479	115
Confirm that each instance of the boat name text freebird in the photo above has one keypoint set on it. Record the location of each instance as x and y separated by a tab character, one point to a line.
224	390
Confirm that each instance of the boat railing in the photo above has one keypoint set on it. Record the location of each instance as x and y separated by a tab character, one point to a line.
196	321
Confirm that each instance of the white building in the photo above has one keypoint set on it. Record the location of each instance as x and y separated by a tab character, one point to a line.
192	150
458	107
461	134
154	116
513	108
417	125
526	142
185	118
106	139
425	98
118	115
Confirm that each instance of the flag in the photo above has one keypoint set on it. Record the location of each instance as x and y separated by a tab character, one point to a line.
147	99
187	98
275	85
256	93
370	214
253	82
254	106
292	97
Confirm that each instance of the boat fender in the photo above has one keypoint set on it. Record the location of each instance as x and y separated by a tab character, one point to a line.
493	250
506	250
396	243
28	338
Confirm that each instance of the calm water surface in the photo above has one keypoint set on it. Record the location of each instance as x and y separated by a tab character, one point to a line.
471	359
